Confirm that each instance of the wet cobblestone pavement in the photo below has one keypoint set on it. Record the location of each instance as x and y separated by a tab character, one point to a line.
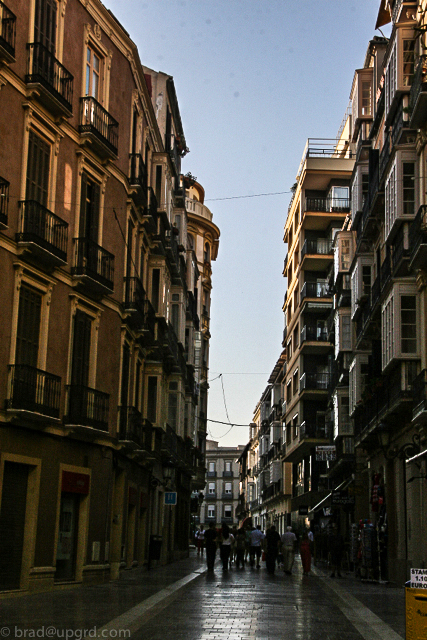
183	602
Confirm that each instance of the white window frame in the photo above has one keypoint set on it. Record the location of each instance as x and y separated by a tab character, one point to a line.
391	324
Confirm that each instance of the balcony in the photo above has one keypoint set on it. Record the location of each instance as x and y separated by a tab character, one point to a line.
316	254
4	202
314	290
314	382
151	216
50	79
227	496
418	95
138	179
309	435
86	407
7	33
327	205
314	334
134	298
418	240
228	474
131	429
211	474
33	391
98	128
210	496
93	265
42	232
400	130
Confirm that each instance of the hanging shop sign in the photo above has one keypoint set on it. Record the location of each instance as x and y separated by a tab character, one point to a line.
342	498
326	453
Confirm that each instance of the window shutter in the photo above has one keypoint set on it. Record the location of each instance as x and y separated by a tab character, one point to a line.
81	349
27	338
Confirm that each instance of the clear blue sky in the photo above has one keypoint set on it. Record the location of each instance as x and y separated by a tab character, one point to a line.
254	80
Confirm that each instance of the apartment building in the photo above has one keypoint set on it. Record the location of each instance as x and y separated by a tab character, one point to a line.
221	494
100	332
319	206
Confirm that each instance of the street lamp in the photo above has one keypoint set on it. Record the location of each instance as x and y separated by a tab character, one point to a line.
168	471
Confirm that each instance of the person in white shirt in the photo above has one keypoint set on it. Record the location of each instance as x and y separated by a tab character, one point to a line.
200	540
225	549
288	547
256	540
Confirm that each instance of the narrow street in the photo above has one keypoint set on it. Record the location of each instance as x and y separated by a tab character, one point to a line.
184	602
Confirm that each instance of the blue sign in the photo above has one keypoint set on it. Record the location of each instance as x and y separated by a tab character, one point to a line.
170	497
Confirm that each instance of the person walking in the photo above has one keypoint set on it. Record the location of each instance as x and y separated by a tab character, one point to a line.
256	540
240	548
288	545
225	549
272	551
210	543
200	540
305	553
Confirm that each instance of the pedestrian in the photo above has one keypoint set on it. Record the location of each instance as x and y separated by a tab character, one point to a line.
240	548
256	540
305	552
233	545
225	549
247	542
272	550
210	543
288	546
336	549
200	535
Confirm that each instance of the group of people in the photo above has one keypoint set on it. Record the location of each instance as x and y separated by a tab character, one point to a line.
250	543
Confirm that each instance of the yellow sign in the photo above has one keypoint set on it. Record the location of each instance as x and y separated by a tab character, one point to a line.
416	614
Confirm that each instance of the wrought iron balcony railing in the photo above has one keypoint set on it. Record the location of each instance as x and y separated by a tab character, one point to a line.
310	430
4	201
33	390
133	428
95	120
44	69
134	295
93	261
138	170
314	334
7	31
320	246
314	381
43	228
336	205
87	407
314	290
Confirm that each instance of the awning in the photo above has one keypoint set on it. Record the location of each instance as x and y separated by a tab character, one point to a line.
419	455
383	16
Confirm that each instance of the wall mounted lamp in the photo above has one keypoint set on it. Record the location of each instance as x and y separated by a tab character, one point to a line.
407	450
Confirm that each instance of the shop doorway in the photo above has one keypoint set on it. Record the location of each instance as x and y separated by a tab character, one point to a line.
66	552
12	524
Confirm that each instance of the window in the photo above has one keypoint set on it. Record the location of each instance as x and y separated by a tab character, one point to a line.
366	99
228	489
211	511
89	209
295	426
408	324
152	399
408	61
228	511
408	172
173	405
295	382
227	466
399	324
296	330
289	350
125	376
211	488
155	289
45	23
288	392
37	169
28	330
93	74
80	362
211	467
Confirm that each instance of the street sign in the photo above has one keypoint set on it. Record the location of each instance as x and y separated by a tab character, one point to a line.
326	453
170	497
419	578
